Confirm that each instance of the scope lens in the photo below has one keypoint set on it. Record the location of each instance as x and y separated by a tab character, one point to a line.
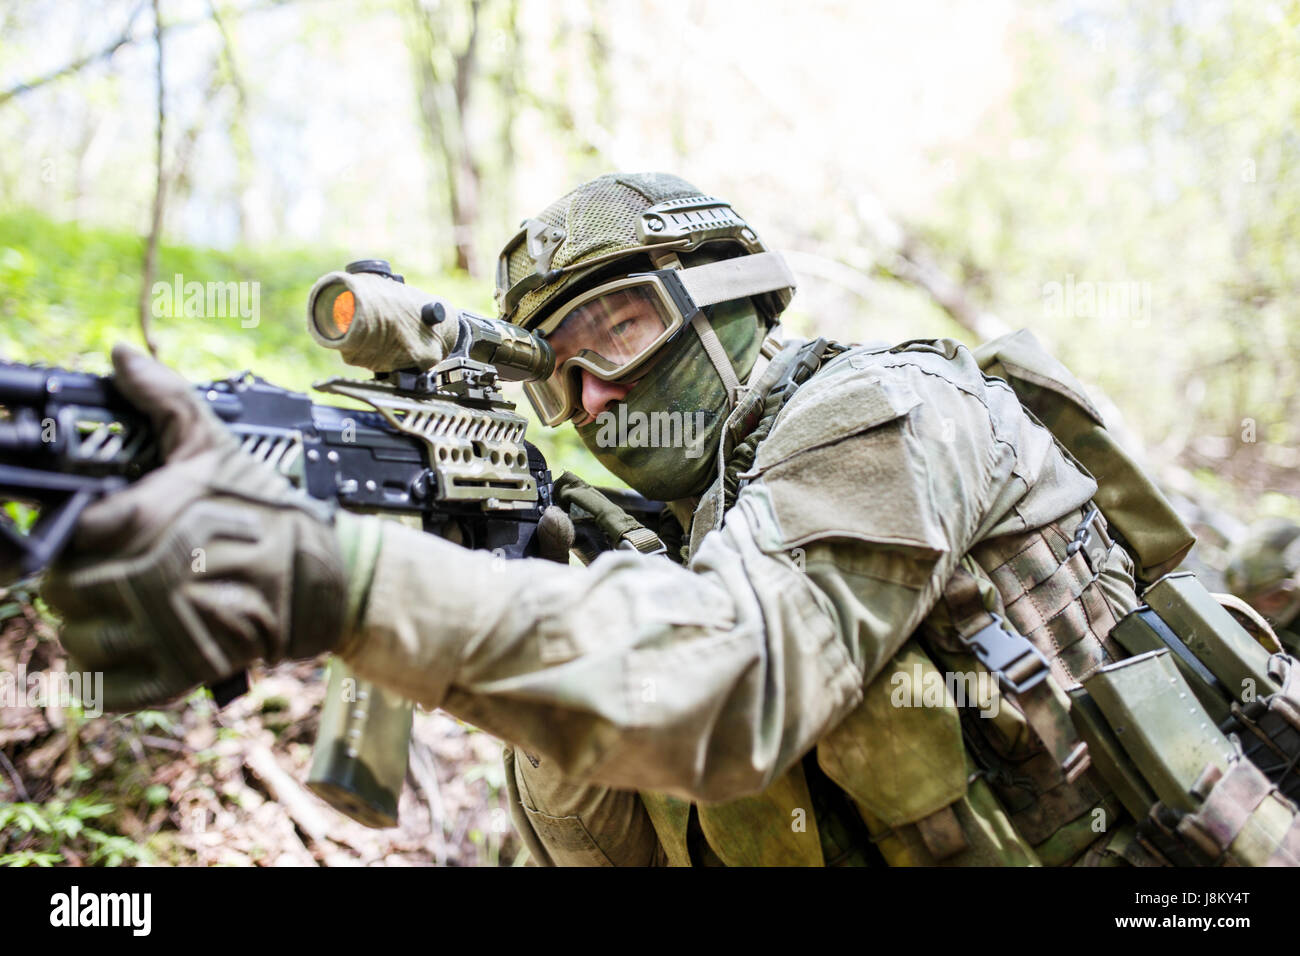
335	308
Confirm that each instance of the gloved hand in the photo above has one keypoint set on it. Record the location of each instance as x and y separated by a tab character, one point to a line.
205	565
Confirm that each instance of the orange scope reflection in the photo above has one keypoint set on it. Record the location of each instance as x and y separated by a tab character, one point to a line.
345	307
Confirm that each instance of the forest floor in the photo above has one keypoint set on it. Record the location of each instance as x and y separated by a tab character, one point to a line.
194	785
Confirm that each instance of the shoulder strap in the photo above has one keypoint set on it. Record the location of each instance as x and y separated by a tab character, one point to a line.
805	362
749	423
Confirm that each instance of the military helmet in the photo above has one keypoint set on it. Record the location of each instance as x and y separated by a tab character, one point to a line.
614	273
1265	561
1269	554
613	218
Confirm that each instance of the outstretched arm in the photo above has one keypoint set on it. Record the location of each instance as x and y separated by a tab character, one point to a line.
707	681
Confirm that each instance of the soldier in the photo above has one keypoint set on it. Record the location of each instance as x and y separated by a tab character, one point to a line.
1264	571
852	530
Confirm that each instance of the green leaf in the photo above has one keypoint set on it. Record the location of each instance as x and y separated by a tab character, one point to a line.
155	720
31	817
31	858
84	809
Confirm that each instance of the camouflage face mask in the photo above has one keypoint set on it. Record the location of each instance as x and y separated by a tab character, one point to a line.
662	439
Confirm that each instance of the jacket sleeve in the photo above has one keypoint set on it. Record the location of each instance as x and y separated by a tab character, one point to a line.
707	681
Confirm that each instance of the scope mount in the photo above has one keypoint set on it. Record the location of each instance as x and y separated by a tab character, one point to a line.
458	377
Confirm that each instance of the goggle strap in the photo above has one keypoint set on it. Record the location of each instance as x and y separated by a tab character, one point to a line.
715	282
718	356
736	278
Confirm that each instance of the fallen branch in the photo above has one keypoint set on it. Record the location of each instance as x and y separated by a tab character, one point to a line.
289	793
12	772
425	774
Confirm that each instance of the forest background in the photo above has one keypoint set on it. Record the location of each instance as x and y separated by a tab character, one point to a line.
1119	177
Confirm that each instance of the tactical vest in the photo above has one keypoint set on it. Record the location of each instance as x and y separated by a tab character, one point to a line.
1045	780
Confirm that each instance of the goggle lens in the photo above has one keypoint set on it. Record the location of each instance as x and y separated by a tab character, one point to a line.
605	334
618	327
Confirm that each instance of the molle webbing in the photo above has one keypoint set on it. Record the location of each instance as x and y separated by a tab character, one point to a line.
1048	584
1243	819
1022	670
1043	588
1135	508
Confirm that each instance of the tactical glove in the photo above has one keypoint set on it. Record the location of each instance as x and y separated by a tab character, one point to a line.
205	565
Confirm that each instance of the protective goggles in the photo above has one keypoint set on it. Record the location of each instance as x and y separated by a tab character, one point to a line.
1279	603
615	330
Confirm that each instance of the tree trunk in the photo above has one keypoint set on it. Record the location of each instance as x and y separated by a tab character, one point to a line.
445	107
155	226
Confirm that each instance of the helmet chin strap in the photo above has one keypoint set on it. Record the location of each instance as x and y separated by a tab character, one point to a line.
723	281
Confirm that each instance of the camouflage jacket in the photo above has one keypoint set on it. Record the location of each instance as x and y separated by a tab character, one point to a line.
713	712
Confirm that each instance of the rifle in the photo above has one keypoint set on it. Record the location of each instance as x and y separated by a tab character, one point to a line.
439	447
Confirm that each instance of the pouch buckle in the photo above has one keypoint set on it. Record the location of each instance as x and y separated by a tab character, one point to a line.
1019	666
1089	529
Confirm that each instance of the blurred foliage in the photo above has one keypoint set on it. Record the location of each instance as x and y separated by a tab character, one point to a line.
1087	142
1152	143
86	792
68	293
1025	145
57	824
